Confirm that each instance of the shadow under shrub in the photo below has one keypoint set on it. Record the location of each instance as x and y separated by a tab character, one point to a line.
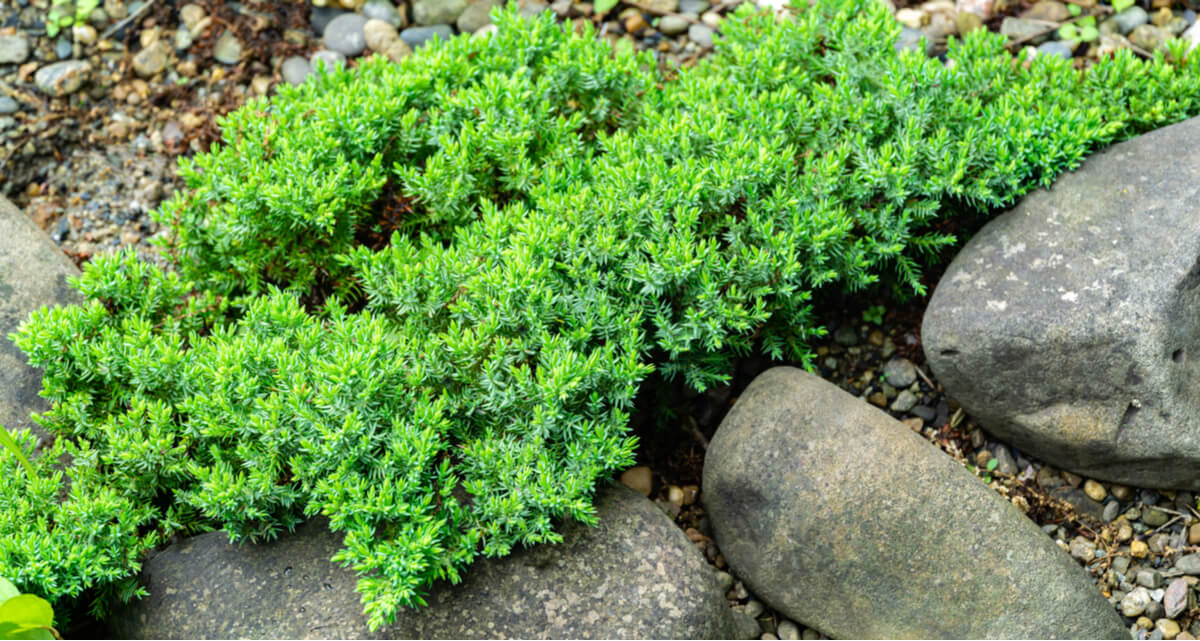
419	299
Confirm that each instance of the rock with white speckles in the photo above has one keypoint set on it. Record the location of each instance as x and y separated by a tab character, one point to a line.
817	498
1070	326
636	575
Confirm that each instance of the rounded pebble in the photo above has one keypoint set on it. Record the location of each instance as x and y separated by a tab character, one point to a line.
62	78
295	70
344	34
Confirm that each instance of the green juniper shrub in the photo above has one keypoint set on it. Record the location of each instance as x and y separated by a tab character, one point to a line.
419	299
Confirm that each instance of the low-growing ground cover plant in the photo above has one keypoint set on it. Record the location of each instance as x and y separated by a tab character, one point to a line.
420	299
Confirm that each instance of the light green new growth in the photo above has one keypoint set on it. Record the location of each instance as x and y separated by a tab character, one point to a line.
419	299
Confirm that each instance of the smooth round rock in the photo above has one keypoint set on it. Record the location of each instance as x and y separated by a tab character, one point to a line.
8	105
817	498
295	70
33	273
634	576
1070	325
701	35
344	34
379	35
900	372
322	16
62	78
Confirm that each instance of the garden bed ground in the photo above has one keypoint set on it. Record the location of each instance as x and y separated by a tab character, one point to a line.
89	168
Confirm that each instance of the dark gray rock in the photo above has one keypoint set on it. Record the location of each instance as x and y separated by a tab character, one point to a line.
322	16
33	273
345	34
1070	326
817	498
417	36
636	575
1079	500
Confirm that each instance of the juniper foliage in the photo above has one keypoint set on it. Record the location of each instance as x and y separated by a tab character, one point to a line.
419	299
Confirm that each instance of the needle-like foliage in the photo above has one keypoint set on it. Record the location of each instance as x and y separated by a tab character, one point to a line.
419	299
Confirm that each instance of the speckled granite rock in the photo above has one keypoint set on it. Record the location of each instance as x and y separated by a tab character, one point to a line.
1070	326
33	273
634	576
817	498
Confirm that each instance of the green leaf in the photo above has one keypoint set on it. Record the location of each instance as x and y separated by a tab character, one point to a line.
7	441
1121	5
14	631
602	6
1068	32
27	610
1088	34
991	465
7	590
1074	9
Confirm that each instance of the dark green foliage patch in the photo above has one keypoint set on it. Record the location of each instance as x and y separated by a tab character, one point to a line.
420	299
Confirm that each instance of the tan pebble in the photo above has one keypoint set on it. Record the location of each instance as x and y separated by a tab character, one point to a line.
1139	549
639	478
914	423
1144	623
982	457
690	494
912	18
379	35
1185	636
875	338
399	50
198	30
1094	490
1121	492
968	22
635	22
675	496
149	36
217	74
1193	537
1162	17
260	85
712	19
84	34
878	399
1074	480
1170	630
191	121
191	14
1021	503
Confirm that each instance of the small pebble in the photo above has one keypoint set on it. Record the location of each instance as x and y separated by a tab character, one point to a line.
418	36
1169	629
1111	510
639	478
1139	549
328	60
1135	602
788	631
295	70
228	49
703	36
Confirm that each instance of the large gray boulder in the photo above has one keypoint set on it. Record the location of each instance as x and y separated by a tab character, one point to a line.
1070	326
635	576
841	517
33	273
